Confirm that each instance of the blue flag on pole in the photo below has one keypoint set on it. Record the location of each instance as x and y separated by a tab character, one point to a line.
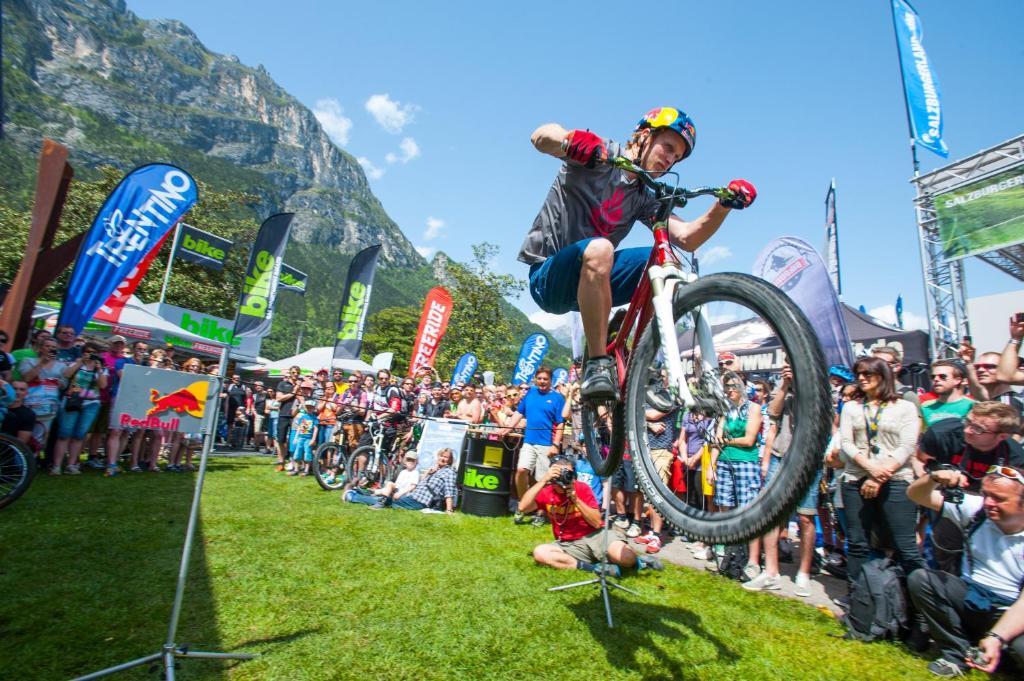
899	310
143	207
465	368
530	356
920	86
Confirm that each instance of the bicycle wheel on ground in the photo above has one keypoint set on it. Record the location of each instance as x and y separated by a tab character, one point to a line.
329	466
762	327
603	434
17	467
358	464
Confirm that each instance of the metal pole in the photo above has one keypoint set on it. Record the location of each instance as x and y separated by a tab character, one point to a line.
170	259
298	340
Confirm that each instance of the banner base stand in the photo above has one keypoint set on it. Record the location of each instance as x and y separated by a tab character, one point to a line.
171	650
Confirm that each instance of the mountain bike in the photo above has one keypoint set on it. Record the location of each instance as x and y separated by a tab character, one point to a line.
368	465
330	464
17	467
672	364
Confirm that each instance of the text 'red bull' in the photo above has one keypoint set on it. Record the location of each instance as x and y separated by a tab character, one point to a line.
148	423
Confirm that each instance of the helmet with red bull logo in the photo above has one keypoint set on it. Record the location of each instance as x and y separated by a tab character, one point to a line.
674	119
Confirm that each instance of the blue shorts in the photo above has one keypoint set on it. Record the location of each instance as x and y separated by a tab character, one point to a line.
303	450
554	282
737	482
809	504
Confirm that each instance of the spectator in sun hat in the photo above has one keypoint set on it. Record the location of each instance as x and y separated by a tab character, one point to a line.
728	361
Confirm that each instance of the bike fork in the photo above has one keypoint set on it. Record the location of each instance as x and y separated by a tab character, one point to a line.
664	280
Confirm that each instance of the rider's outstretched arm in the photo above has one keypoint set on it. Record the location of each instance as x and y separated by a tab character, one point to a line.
691	235
548	139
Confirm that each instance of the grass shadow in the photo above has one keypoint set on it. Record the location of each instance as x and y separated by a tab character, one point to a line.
88	567
639	626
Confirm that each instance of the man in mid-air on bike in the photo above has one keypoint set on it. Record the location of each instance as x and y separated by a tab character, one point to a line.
590	208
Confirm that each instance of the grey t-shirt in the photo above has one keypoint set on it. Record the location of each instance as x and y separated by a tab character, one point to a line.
584	203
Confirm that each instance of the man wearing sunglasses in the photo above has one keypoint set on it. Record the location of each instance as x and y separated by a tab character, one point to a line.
985	605
983	378
948	387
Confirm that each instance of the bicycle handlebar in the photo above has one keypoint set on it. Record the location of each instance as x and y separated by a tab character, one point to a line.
665	193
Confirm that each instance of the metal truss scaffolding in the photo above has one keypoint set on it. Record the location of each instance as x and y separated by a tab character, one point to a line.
945	290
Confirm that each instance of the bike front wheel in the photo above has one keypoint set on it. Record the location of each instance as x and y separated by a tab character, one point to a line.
762	328
358	465
329	466
603	433
17	467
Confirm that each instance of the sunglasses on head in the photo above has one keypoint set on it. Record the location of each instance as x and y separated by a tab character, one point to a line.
1006	472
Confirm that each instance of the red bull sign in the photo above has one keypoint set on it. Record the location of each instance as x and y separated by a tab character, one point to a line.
159	399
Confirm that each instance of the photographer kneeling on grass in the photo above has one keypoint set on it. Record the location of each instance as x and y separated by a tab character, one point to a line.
985	604
577	525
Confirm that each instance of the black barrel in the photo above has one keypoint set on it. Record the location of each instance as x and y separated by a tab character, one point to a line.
486	477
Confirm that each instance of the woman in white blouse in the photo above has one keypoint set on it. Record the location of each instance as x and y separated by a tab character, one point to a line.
878	436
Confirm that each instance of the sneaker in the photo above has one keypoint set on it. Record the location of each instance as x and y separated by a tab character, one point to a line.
946	669
377	507
633	531
539	521
763	582
95	463
173	468
599	380
111	471
649	563
279	467
73	469
751	571
519	518
54	470
654	545
609	570
155	469
328	479
803	585
621	522
136	468
842	601
704	553
644	538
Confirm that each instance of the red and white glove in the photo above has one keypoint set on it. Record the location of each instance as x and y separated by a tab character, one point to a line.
585	148
744	194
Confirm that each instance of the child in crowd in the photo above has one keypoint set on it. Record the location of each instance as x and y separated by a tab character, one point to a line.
406	481
239	429
303	433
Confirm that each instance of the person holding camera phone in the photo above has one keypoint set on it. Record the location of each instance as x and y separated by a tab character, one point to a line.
577	525
45	376
986	601
79	407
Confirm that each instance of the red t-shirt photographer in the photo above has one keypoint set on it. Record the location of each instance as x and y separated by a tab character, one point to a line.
567	523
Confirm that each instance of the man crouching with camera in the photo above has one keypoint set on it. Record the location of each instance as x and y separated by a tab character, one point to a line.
577	525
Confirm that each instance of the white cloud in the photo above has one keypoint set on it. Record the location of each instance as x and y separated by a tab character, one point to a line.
409	149
548	321
434	227
911	320
426	251
390	114
714	254
372	171
332	120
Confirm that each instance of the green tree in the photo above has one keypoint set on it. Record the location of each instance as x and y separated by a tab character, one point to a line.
481	321
392	329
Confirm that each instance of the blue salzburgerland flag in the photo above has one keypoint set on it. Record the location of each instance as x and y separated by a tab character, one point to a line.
920	86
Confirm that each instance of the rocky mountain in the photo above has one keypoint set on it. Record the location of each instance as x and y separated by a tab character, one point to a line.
119	90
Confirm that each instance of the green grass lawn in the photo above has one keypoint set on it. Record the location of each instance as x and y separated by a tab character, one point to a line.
324	590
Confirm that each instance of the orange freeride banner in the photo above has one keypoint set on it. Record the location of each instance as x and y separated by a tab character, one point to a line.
437	308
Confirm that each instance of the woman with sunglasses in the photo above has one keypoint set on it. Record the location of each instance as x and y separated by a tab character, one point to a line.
185	443
878	436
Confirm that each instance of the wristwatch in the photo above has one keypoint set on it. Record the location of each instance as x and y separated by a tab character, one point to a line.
1002	641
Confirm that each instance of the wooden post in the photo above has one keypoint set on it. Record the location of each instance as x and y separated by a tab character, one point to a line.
43	262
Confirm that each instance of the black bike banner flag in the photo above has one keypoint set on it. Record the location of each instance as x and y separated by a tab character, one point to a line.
292	280
355	301
141	210
259	290
795	267
202	248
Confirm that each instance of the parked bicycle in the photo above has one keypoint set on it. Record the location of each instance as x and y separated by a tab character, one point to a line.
17	468
368	465
672	364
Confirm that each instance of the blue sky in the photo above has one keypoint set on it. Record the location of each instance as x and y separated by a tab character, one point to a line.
440	99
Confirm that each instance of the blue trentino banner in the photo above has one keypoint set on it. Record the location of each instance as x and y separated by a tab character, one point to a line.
143	207
559	376
465	368
920	86
530	356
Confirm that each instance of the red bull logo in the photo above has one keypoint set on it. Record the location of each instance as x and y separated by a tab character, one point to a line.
148	423
189	400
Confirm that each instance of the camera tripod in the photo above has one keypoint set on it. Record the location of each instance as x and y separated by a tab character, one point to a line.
601	577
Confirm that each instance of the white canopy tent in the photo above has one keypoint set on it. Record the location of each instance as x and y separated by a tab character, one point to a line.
319	358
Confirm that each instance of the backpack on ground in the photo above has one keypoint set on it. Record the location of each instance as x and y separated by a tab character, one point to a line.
878	602
733	562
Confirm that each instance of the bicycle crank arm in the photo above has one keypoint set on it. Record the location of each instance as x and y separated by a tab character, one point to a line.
664	280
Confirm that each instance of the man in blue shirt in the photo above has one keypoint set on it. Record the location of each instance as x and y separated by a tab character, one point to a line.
542	409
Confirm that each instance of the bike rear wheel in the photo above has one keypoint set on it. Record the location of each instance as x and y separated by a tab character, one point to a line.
810	408
17	467
603	433
352	473
329	466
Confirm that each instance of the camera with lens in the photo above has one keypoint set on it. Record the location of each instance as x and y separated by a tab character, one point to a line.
567	474
952	495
